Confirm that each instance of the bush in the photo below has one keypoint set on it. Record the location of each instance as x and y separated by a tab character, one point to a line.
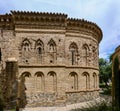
102	106
101	85
1	105
105	91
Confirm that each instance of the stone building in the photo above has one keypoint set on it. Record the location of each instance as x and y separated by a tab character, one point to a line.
57	57
116	76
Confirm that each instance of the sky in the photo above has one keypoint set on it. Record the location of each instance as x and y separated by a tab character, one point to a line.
105	13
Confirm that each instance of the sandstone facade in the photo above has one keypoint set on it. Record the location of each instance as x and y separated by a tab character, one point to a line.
57	56
116	76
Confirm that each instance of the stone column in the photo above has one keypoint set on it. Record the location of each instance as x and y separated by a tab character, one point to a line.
11	81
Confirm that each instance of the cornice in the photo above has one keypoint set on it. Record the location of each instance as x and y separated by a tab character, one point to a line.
117	51
78	24
38	13
6	22
25	18
41	18
55	65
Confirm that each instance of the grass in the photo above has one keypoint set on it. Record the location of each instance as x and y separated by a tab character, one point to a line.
102	106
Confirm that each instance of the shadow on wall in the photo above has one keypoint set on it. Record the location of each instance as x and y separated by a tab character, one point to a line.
22	93
15	95
17	98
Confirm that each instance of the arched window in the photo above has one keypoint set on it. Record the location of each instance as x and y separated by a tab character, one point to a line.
26	45
52	51
26	81
52	81
85	53
39	81
94	80
26	48
52	46
73	50
74	80
95	56
87	80
39	51
39	46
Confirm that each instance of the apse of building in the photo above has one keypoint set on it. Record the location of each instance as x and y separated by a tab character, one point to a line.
56	56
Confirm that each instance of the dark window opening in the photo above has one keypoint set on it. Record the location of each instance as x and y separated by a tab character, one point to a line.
74	51
51	61
73	58
0	55
39	50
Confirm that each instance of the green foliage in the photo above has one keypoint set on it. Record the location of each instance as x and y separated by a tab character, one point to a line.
1	97
102	106
116	80
106	91
101	85
105	71
1	105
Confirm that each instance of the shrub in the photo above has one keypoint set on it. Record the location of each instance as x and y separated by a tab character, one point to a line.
102	106
1	105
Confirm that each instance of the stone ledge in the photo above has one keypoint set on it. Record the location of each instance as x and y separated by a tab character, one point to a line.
88	90
55	65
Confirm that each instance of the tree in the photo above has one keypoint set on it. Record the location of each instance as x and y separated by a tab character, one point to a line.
2	89
105	71
1	105
1	95
116	81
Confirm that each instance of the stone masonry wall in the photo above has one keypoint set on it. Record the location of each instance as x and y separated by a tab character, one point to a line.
57	57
